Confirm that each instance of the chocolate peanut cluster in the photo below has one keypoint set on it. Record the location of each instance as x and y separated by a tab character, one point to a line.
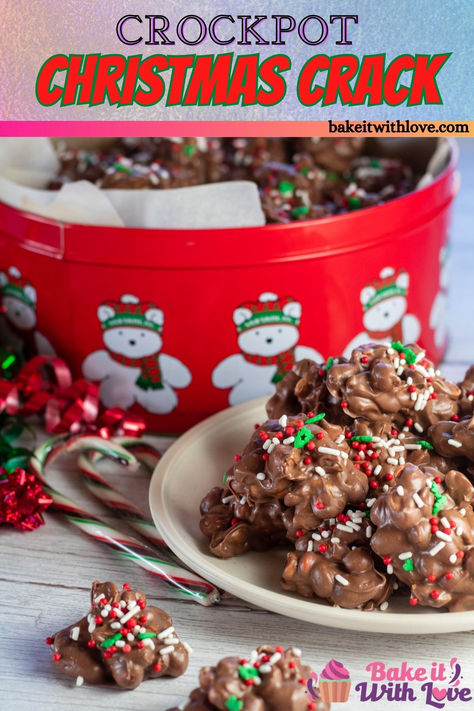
121	639
298	178
271	679
365	468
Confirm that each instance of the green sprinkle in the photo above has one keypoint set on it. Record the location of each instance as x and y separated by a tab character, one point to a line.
316	418
329	363
9	360
122	168
408	565
189	150
224	477
435	490
286	188
303	436
110	640
146	635
410	356
301	210
424	444
375	163
304	170
233	703
354	202
361	438
438	505
332	176
247	672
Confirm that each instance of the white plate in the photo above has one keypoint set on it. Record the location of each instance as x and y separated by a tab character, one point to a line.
196	463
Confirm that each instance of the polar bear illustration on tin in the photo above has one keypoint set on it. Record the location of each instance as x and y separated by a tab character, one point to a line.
438	310
18	305
267	335
384	304
132	367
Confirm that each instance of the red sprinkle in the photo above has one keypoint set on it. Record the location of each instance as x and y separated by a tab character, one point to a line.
107	654
292	664
143	618
319	505
299	533
449	575
460	554
413	601
373	484
112	649
434	521
124	631
387	560
157	667
438	479
435	594
91	643
237	457
234	521
126	586
322	548
263	436
310	414
141	644
115	605
126	649
289	430
357	466
299	423
374	455
389	477
112	614
455	418
348	435
320	372
265	457
452	524
431	577
394	433
307	460
56	657
434	396
409	423
248	682
434	529
99	620
310	446
320	435
344	404
49	640
131	623
364	359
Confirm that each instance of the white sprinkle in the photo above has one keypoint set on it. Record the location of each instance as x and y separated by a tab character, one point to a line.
391	460
130	614
79	680
257	681
409	380
406	555
165	633
267	443
390	569
227	499
429	482
401	461
119	613
91	627
89	617
418	500
396	585
137	630
265	669
274	658
445	522
396	362
344	455
123	604
131	604
75	633
353	525
418	427
316	536
462	512
413	446
120	643
341	580
325	534
459	531
243	501
297	651
271	448
370	502
454	443
385	487
437	548
383	606
390	351
310	546
329	450
400	490
149	642
130	637
283	421
254	656
400	371
453	558
335	539
187	647
398	448
320	471
289	440
377	469
275	440
402	435
166	650
443	536
260	476
340	439
104	612
115	625
171	640
414	397
342	527
420	402
368	531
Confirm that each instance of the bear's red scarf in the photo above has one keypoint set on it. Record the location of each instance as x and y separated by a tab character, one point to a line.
284	362
150	371
393	334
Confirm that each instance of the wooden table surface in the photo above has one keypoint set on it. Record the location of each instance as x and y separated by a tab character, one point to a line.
45	576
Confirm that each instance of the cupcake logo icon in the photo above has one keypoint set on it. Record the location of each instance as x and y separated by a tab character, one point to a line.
334	683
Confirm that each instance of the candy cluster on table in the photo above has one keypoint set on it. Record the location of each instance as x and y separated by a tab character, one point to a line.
120	639
270	679
365	467
297	178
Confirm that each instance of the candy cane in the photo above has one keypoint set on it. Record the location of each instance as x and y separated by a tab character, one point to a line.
183	583
115	501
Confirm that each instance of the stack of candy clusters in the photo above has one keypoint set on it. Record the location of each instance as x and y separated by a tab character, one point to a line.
365	467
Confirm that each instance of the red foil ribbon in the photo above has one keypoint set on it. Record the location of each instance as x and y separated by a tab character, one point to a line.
22	500
44	387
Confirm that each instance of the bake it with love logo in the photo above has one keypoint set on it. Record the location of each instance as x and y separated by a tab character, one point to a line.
436	686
